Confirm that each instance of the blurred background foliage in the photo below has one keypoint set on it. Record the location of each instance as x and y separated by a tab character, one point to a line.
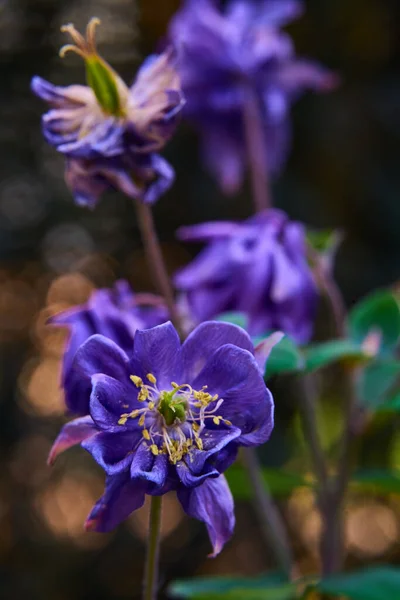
343	172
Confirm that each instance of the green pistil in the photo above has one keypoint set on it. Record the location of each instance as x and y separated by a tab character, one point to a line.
101	78
172	409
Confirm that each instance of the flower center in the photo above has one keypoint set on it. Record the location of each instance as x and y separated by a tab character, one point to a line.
173	420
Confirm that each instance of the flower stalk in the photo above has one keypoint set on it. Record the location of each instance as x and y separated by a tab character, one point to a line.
153	549
307	406
332	502
272	526
256	150
156	261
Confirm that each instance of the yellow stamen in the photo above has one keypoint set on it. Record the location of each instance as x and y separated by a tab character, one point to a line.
143	394
154	449
216	420
136	380
142	420
151	378
146	434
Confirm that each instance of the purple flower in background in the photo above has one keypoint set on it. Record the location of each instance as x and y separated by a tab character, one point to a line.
110	133
114	313
226	52
258	267
144	176
169	417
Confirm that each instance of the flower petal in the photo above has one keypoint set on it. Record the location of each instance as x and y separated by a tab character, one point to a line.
207	232
191	480
214	440
264	348
110	399
72	433
97	355
223	154
112	451
80	329
205	340
212	503
120	499
149	468
234	375
157	351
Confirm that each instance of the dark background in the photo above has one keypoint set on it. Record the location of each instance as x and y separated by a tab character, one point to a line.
343	172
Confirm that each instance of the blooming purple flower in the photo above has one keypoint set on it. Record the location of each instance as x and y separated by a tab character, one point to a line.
170	417
258	267
223	54
110	133
114	313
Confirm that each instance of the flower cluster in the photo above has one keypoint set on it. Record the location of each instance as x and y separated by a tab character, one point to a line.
170	417
158	414
109	133
223	54
258	267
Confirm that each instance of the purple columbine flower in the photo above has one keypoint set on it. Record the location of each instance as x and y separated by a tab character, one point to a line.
111	133
226	52
115	313
169	417
258	267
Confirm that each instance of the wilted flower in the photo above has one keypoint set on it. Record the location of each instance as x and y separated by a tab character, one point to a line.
114	313
108	131
170	417
258	267
224	53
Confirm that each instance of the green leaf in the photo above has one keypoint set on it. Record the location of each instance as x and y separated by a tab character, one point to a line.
379	311
279	483
187	588
283	592
324	240
269	587
236	318
376	381
321	355
391	405
285	357
380	583
377	481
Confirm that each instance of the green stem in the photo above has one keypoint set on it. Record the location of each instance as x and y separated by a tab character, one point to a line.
156	262
254	131
153	547
310	427
271	522
332	502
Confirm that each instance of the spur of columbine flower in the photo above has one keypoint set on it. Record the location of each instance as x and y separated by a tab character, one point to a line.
117	314
258	267
170	417
110	132
224	53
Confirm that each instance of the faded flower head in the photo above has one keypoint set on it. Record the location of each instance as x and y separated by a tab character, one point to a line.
223	53
110	131
114	313
170	417
257	267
